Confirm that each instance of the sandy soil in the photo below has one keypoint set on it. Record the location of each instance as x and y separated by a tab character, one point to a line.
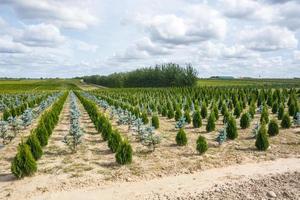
93	166
247	181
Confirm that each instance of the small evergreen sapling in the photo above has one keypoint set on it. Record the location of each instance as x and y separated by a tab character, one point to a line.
286	121
178	114
201	145
145	118
187	116
197	121
280	112
155	121
211	124
124	153
181	139
245	121
24	163
231	129
203	111
114	141
264	115
273	128
262	142
35	147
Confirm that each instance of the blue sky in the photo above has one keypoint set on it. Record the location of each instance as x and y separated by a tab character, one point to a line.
67	38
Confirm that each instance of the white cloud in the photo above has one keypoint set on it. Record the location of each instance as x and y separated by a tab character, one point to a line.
248	9
83	46
7	45
197	23
46	35
268	38
69	14
296	55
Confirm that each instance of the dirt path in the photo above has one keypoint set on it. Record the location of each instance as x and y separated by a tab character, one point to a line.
179	186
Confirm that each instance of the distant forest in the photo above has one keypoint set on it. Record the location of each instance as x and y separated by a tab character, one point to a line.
168	75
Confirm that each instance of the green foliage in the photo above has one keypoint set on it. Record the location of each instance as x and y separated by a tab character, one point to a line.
42	134
35	146
231	129
155	121
145	118
181	139
124	153
281	112
215	110
24	163
114	141
293	108
187	116
201	145
106	130
203	111
178	114
245	121
170	114
273	128
262	142
159	76
264	115
237	110
274	107
211	123
286	121
252	109
197	121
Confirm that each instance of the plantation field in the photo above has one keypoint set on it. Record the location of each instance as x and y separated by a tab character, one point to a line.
36	85
154	143
251	82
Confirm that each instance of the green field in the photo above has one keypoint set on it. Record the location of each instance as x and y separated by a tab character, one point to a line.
250	82
38	85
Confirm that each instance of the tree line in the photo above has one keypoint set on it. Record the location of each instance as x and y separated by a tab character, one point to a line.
167	75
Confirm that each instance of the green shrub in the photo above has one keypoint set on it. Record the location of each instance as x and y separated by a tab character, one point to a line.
181	138
187	116
274	107
286	121
155	121
145	118
211	124
245	121
170	114
280	112
273	128
35	146
201	145
215	110
262	142
124	153
264	115
164	111
24	163
42	134
231	129
106	130
114	141
197	121
252	110
237	110
178	114
293	108
203	111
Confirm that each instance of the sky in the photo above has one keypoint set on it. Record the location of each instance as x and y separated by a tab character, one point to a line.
67	38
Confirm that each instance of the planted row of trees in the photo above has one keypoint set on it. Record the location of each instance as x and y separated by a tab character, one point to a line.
29	151
167	75
116	143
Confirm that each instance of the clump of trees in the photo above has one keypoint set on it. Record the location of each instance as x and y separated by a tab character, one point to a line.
159	76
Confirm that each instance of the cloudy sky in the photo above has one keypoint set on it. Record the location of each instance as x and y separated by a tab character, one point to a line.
66	38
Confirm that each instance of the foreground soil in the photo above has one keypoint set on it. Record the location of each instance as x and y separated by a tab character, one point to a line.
279	179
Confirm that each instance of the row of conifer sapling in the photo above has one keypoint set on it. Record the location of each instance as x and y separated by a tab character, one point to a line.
30	149
139	124
73	138
11	127
229	131
118	145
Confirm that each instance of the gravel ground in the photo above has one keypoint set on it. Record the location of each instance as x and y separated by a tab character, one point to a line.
281	186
